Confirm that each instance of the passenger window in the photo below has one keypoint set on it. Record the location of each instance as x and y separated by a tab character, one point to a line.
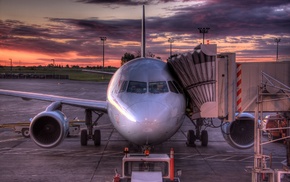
137	87
158	87
124	86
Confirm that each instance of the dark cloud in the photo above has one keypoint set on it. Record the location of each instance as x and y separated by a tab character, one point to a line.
232	18
129	2
235	18
87	35
128	30
38	45
109	2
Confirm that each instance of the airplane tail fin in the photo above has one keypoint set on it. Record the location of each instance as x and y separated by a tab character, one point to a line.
143	40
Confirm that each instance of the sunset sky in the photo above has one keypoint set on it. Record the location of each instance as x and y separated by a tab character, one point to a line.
33	32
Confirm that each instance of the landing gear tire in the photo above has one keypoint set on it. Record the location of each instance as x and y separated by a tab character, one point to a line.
204	138
191	138
25	132
84	138
97	137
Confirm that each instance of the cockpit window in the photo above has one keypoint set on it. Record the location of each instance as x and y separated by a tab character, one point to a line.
178	87
174	87
137	87
158	87
124	86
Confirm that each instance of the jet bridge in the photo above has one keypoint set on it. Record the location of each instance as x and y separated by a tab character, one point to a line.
217	86
265	89
210	88
271	78
209	80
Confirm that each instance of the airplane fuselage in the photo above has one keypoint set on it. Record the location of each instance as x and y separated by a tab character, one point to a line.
145	104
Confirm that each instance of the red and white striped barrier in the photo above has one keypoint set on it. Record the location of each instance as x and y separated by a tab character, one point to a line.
239	88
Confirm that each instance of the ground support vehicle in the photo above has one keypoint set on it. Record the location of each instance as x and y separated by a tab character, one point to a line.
23	127
150	167
274	126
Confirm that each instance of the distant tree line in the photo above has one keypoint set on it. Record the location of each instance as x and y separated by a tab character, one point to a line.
57	66
129	56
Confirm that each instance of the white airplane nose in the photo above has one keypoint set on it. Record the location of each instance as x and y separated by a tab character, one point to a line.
150	112
153	122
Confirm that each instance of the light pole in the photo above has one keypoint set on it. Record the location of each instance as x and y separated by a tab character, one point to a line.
10	65
103	39
203	31
277	40
53	62
170	40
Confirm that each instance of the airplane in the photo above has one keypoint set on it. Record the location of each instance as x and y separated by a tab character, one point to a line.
144	103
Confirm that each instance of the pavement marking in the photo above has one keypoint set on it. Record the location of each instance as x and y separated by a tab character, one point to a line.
189	156
221	157
58	152
11	139
247	158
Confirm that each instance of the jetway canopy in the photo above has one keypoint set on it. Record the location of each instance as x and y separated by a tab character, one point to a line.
197	73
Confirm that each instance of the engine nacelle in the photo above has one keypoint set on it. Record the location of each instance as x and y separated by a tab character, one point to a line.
49	128
240	133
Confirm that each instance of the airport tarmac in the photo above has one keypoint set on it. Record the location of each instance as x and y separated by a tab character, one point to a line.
21	160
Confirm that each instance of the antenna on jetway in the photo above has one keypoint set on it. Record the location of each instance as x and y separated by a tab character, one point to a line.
143	40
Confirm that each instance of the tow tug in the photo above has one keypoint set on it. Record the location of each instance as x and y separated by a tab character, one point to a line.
147	167
23	127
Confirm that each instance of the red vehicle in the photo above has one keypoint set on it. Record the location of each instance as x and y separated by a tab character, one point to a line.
275	121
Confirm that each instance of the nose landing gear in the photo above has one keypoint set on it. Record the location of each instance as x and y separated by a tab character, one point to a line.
201	135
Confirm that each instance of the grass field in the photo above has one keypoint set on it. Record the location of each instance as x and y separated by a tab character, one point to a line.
73	73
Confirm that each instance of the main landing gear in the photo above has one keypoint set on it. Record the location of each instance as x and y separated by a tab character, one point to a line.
201	135
90	133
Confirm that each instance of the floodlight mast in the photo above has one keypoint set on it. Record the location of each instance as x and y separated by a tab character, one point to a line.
203	31
170	40
143	38
11	64
277	40
103	39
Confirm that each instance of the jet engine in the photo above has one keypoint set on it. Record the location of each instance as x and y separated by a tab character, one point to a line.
240	133
49	127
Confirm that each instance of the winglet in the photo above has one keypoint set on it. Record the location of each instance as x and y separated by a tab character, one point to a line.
143	34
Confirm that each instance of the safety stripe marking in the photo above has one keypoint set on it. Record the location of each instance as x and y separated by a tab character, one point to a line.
239	88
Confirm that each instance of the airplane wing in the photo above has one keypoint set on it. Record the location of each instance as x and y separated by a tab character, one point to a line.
101	72
84	103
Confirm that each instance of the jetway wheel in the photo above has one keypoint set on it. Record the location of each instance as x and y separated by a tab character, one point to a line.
204	138
97	137
191	138
84	137
270	137
25	132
